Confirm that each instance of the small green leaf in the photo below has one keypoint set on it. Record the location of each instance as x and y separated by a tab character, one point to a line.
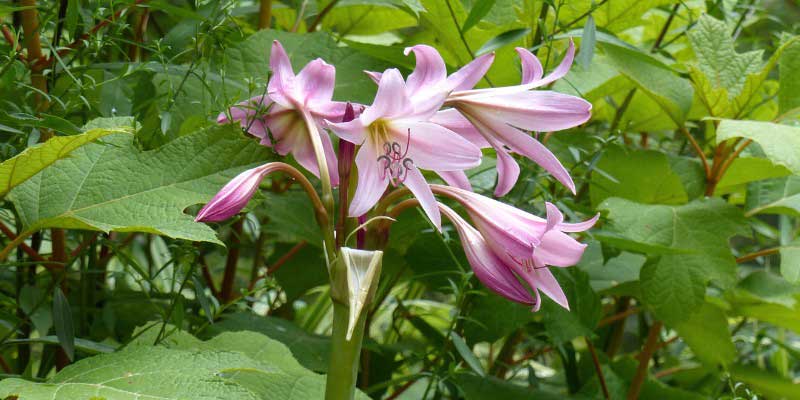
200	292
781	143
62	319
502	40
586	51
83	345
467	354
773	386
479	10
706	332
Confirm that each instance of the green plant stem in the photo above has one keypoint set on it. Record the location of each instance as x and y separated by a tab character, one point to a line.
327	189
345	355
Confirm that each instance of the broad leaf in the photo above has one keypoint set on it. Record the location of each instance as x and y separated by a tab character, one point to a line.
789	69
16	170
660	82
584	307
790	261
774	196
493	317
310	350
781	143
116	187
633	172
367	17
618	270
706	332
767	383
697	233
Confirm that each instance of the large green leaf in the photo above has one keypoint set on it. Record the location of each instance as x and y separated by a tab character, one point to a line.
233	365
485	388
748	169
781	143
697	233
660	82
310	350
116	187
618	270
367	17
728	82
614	16
706	332
767	383
790	261
16	170
767	297
789	69
493	317
633	172
774	196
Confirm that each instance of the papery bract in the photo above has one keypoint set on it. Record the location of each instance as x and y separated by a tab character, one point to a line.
396	140
281	110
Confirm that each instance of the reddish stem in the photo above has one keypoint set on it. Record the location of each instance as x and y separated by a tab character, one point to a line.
228	279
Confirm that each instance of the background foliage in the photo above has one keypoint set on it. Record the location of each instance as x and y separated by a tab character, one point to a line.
689	289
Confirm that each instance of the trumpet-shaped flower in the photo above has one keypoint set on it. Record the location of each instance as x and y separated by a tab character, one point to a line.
524	242
292	100
235	194
396	140
499	115
490	269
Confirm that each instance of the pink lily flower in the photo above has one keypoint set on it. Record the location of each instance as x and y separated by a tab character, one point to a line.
498	114
490	269
235	194
397	140
290	101
524	242
501	114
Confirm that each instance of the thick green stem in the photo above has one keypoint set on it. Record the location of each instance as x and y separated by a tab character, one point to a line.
345	355
325	180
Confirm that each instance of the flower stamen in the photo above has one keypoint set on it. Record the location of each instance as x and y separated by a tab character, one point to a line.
395	162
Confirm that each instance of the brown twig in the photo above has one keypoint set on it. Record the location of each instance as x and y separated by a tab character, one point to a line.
597	368
697	149
616	317
41	62
231	261
668	371
644	360
720	172
207	277
321	15
760	253
264	14
278	263
27	249
82	246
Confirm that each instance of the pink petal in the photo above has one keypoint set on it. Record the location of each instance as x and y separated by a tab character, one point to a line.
315	82
469	75
554	215
507	172
560	71
332	110
531	67
233	197
429	70
280	85
558	249
456	178
537	110
415	182
548	284
353	131
580	226
391	99
488	268
434	147
375	76
372	181
526	145
454	121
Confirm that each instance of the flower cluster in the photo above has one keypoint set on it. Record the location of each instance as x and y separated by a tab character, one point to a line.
436	122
